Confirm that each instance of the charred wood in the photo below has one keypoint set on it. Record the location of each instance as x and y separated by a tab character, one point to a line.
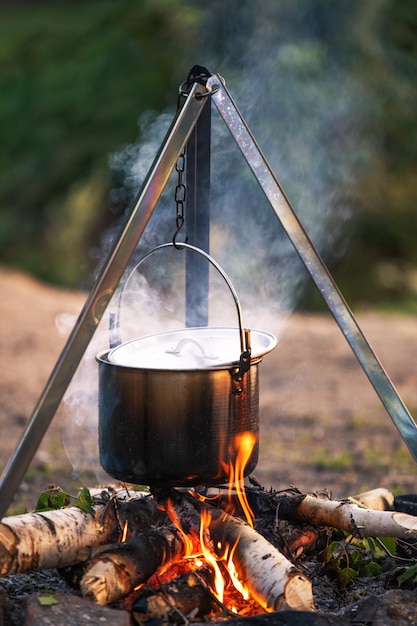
293	539
185	597
115	570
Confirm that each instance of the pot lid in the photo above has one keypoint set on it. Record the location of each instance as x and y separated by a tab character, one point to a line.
190	349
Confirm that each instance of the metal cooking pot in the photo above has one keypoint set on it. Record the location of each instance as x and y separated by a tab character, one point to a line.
171	404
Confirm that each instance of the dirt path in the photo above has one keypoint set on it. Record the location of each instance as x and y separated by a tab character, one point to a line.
322	425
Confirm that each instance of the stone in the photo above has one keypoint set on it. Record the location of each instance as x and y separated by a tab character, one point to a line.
394	608
3	600
69	610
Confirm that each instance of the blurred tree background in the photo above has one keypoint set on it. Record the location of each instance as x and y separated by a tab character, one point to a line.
76	77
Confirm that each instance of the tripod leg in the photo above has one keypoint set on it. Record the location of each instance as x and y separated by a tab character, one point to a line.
314	264
99	297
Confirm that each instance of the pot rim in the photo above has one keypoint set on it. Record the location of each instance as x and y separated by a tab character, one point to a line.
263	342
102	357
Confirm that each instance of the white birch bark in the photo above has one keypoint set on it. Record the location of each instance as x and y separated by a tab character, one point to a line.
356	520
379	499
273	581
59	538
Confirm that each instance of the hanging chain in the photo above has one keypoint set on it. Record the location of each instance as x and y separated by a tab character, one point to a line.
180	195
197	74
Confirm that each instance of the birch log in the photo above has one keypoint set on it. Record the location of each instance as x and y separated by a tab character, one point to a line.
355	520
65	537
114	571
51	539
380	499
273	581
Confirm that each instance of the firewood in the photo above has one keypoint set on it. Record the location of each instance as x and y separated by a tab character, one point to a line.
341	514
64	537
354	519
115	570
380	499
50	539
184	596
274	582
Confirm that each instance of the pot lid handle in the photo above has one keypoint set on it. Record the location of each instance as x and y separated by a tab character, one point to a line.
194	342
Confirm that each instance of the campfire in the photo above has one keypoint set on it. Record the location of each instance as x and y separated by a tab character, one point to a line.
182	551
204	554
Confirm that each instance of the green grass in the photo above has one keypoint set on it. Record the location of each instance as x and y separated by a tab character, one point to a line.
324	458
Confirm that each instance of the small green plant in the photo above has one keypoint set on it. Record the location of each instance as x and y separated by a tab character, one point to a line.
56	498
408	574
47	600
351	557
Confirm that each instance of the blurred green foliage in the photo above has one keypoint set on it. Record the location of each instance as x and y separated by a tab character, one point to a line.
76	76
381	264
74	79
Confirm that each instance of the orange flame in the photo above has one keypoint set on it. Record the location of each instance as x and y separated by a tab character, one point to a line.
124	532
173	516
244	591
210	558
244	444
225	554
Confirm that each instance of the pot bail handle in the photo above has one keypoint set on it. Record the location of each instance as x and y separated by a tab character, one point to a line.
244	334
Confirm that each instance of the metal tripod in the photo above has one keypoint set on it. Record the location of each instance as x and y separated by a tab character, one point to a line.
177	137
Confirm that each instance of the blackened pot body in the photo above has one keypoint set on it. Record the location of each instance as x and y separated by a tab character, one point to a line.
174	428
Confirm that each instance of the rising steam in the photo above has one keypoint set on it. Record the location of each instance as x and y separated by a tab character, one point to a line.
304	110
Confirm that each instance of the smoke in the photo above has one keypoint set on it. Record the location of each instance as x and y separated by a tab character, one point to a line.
303	105
304	116
297	90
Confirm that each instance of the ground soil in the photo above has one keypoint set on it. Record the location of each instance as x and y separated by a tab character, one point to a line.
322	424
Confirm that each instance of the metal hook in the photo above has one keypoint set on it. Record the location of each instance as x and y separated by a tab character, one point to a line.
174	239
199	75
209	92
